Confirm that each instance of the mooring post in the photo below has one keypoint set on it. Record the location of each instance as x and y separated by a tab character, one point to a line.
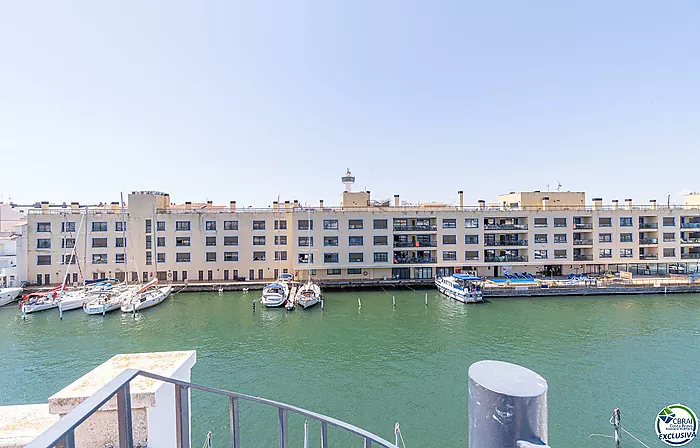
60	312
321	304
426	299
253	305
393	301
359	303
507	406
616	424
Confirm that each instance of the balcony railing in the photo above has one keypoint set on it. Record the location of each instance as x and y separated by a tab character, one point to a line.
605	255
514	258
583	226
506	243
690	241
648	225
63	431
583	242
583	257
419	228
414	260
649	256
505	226
691	256
669	240
690	225
648	241
415	243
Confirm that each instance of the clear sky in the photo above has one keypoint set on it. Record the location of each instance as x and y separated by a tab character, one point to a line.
245	101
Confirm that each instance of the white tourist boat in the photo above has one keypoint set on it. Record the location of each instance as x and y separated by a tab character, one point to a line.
275	294
462	287
308	295
8	295
108	301
149	295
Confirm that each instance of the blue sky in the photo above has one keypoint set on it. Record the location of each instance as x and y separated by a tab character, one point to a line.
245	101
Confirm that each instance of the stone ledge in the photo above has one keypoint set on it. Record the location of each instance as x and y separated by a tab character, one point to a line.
21	424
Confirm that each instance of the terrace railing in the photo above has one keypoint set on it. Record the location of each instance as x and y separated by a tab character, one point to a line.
502	258
415	243
649	225
505	226
418	228
506	243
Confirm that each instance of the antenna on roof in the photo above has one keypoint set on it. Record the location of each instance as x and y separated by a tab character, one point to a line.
558	186
547	187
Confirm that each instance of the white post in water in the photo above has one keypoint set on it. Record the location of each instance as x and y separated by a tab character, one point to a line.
359	303
60	312
393	301
507	406
426	299
306	434
321	304
616	424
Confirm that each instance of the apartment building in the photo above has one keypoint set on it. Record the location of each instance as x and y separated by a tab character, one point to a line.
555	233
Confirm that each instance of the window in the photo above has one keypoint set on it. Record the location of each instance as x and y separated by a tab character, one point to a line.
560	238
330	224
160	226
449	223
449	255
119	258
43	260
280	224
99	258
304	258
471	255
210	225
471	223
541	254
330	240
381	240
258	225
160	241
182	257
99	242
330	258
669	221
559	222
43	227
559	253
471	239
160	257
422	272
230	225
380	224
259	256
149	241
149	257
355	241
43	243
230	256
626	222
305	241
210	256
258	241
120	242
120	226
355	257
332	271
449	239
182	226
604	222
305	224
669	252
280	255
182	241
605	253
624	253
99	226
541	238
354	271
605	237
210	241
355	224
540	222
280	240
230	241
625	237
68	243
381	257
148	226
68	226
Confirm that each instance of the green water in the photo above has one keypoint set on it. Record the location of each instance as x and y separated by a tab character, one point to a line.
379	365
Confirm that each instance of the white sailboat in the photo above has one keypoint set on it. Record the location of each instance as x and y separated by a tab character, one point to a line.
309	293
108	301
40	301
8	295
149	295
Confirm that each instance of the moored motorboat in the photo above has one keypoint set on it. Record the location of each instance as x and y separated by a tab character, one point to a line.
146	297
308	295
8	295
462	287
275	295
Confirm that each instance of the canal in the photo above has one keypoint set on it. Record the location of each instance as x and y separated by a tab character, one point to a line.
377	365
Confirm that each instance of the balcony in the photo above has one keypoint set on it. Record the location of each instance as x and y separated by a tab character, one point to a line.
583	226
582	257
649	256
418	228
605	256
513	258
691	256
690	225
583	242
669	240
505	226
690	241
506	243
648	225
413	260
648	241
415	243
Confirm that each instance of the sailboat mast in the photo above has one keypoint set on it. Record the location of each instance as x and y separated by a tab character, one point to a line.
308	259
72	255
85	245
126	270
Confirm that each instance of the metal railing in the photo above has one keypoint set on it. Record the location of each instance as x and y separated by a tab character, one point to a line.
690	241
649	241
414	260
648	225
415	243
649	256
515	258
583	226
63	431
691	256
583	257
506	243
419	228
505	226
583	242
690	225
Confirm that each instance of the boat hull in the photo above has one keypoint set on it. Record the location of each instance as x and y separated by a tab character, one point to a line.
459	295
35	308
274	302
308	303
147	300
8	295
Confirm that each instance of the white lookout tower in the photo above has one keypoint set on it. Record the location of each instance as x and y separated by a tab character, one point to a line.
348	180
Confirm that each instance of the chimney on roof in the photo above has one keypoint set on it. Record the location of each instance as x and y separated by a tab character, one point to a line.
320	203
275	206
628	204
652	204
397	202
44	205
460	199
482	204
545	202
232	205
74	205
209	202
597	203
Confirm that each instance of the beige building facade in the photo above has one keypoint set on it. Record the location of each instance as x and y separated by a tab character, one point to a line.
551	233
